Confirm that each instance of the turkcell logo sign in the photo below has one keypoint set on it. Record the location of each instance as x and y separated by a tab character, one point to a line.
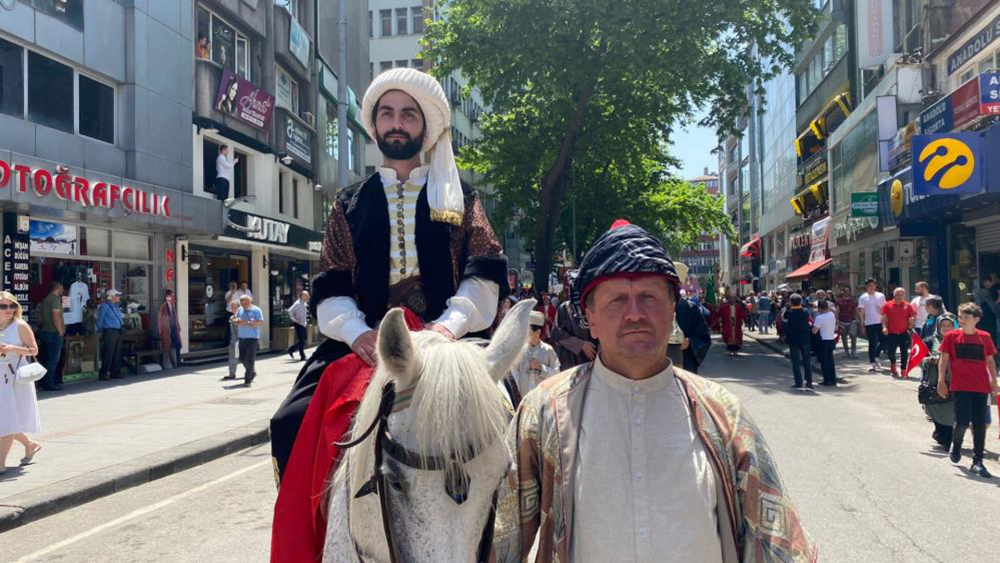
989	93
937	118
864	204
947	164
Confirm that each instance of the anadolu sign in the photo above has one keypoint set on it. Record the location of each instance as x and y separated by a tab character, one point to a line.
82	191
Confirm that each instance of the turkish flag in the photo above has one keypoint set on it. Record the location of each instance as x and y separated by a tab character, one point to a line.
918	351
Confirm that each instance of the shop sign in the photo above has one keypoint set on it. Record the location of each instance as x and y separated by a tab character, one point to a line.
799	241
937	118
82	191
298	43
16	259
297	140
989	93
245	100
900	145
864	204
948	164
820	237
965	103
853	227
816	168
256	228
328	81
973	46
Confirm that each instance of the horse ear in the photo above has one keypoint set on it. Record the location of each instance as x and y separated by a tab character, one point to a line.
395	348
509	339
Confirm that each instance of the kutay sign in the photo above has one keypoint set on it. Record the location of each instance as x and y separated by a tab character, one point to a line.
81	191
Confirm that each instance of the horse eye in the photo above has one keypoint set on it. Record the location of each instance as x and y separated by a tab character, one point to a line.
395	484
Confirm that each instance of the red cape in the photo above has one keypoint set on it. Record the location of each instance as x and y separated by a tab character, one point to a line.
298	531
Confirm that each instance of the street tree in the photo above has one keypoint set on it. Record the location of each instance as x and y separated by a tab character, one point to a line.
585	92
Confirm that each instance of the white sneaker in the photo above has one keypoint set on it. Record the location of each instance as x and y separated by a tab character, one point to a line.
878	365
871	367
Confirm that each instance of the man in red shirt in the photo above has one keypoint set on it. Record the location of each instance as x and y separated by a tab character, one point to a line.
969	352
847	320
898	319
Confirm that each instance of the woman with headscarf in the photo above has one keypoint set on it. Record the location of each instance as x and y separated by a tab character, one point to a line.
942	414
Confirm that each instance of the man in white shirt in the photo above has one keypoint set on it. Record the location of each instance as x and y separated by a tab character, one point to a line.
299	313
919	303
224	172
825	326
870	316
411	235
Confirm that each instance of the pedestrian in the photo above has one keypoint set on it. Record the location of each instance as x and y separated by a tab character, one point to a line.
825	326
169	326
986	298
644	449
572	341
249	319
763	313
870	316
18	402
969	354
919	302
847	321
732	314
898	319
50	338
690	319
232	342
109	325
549	310
942	414
798	336
224	172
299	313
935	308
538	360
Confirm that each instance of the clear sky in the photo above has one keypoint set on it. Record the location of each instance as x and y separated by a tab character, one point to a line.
693	147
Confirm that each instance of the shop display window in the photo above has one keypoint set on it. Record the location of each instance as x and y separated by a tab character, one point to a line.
209	275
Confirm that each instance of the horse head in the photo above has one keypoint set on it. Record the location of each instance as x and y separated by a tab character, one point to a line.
443	453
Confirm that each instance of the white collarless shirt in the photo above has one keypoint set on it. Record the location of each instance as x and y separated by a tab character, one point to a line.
645	488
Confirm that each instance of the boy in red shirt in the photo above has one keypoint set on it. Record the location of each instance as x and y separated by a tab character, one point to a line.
969	352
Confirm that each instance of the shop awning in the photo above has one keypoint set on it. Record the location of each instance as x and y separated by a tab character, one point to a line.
751	249
808	269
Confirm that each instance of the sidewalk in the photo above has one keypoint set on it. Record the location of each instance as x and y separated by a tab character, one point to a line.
102	437
849	367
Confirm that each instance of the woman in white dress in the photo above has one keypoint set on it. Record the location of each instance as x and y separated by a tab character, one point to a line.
18	403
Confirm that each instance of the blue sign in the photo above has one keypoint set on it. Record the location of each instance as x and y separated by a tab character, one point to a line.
989	93
938	118
948	164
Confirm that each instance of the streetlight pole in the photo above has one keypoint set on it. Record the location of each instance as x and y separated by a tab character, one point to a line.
343	154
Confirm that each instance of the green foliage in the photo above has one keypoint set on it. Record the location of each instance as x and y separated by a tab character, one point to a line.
583	94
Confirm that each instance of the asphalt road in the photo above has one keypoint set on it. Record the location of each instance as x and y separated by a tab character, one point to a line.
858	460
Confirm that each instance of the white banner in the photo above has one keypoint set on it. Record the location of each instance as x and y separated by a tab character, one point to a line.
875	36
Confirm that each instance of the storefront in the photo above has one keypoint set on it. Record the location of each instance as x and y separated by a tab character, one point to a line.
210	270
92	233
815	273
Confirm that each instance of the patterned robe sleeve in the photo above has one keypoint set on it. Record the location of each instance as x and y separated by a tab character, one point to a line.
518	502
477	251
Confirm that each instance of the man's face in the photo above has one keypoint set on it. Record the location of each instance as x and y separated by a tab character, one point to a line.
305	297
633	318
967	321
921	290
871	288
243	286
399	126
116	298
245	303
535	336
899	294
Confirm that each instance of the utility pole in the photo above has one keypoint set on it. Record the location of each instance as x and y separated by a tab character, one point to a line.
343	154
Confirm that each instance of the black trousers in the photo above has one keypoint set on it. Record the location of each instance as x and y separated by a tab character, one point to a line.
248	357
221	189
826	361
801	356
901	341
300	341
970	408
874	334
111	357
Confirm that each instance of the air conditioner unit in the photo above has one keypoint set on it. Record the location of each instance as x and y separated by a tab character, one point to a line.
309	118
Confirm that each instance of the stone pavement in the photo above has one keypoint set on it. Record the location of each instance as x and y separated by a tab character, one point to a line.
102	437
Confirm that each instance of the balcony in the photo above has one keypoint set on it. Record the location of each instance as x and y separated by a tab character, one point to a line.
207	78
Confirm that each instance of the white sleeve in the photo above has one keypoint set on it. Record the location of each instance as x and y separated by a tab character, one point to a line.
340	319
473	308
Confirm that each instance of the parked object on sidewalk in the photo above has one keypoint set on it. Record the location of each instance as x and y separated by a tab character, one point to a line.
18	402
110	325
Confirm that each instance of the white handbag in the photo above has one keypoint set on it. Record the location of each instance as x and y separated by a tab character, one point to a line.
30	372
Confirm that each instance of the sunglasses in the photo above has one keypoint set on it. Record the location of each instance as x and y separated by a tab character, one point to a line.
6	307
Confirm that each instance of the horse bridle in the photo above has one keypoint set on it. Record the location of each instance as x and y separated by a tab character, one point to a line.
456	482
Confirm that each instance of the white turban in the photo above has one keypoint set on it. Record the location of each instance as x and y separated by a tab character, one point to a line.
444	187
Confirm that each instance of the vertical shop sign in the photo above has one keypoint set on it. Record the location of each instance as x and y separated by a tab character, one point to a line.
16	259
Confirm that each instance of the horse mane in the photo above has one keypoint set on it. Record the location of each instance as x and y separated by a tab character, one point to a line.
456	404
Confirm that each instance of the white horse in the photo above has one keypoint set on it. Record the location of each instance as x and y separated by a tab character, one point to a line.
442	451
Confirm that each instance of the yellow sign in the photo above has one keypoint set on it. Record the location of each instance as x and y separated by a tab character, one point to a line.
950	157
896	198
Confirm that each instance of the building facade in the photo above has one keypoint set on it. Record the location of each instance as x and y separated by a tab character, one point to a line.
702	259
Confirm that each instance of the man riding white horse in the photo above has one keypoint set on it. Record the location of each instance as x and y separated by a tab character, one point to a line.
412	235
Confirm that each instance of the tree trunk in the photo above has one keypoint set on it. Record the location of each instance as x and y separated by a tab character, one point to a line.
553	188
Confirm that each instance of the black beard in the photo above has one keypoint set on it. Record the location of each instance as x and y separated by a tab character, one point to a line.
400	150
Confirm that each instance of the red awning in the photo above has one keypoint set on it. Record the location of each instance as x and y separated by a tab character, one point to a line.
751	249
808	269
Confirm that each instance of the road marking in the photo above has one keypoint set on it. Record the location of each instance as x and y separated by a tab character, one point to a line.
139	512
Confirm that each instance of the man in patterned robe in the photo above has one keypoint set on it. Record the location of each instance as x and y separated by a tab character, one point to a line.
628	458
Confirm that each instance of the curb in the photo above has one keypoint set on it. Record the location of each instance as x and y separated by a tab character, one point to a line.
34	505
775	348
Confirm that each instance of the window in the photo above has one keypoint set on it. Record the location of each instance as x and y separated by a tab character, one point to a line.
226	46
985	64
286	91
295	198
127	245
352	163
50	93
417	64
371	71
371	24
384	66
417	13
243	57
840	41
966	76
829	52
293	7
401	21
402	64
281	192
385	16
97	110
331	130
11	79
